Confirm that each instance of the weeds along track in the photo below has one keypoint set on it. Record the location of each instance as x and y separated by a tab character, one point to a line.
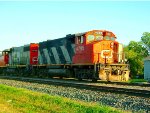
141	90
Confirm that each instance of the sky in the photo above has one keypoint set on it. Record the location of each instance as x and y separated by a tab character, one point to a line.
24	22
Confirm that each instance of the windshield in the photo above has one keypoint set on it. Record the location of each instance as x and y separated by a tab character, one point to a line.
106	38
90	38
113	38
96	36
109	38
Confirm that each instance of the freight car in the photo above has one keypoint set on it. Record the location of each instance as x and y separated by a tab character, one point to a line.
89	55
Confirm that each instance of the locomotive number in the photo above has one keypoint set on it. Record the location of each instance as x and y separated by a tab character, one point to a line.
80	48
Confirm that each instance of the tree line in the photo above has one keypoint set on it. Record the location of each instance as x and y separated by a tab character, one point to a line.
135	53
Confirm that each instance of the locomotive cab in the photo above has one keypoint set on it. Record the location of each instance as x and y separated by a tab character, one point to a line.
96	46
99	50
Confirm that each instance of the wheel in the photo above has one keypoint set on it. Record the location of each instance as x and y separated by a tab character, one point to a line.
94	80
61	77
79	77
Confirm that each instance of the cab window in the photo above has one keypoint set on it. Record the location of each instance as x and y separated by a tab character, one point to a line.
113	38
4	53
90	38
107	38
80	39
99	38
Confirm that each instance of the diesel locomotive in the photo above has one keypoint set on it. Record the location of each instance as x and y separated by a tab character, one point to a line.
90	55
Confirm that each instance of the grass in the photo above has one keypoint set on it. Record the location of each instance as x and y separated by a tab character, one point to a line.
136	80
17	100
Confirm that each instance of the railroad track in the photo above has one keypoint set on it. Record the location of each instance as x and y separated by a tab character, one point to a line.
126	84
84	85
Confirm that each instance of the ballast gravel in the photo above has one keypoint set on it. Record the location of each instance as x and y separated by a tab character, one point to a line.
121	101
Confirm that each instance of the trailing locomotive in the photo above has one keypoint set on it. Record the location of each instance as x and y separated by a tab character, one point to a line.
90	55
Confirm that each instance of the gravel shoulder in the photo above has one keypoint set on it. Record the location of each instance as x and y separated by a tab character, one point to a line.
121	101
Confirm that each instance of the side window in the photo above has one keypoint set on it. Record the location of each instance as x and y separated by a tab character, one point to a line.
80	39
4	53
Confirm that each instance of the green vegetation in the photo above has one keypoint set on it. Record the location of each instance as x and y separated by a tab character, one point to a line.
14	100
146	40
135	53
136	80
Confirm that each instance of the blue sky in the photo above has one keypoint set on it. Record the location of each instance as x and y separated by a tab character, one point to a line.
32	22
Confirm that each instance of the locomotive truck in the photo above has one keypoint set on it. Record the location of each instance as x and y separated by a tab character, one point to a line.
90	55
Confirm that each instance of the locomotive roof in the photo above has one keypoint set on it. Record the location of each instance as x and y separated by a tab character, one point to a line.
80	34
6	50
